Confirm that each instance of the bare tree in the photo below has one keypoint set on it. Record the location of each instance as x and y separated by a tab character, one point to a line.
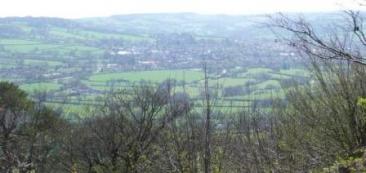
342	41
121	134
27	131
322	120
207	155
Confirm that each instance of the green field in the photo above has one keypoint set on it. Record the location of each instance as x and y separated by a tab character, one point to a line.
16	41
27	46
44	86
42	62
93	35
296	72
153	76
262	89
194	83
229	82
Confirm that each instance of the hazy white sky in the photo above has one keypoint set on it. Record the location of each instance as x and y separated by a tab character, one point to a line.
90	8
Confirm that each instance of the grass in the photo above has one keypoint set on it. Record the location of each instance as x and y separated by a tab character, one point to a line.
296	72
100	35
230	82
268	84
279	76
23	46
43	86
16	41
70	110
192	91
7	66
153	76
254	72
28	46
42	62
261	95
258	70
61	32
3	79
263	89
92	35
103	86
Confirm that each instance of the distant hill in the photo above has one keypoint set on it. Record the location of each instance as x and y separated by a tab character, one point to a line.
200	25
242	27
206	26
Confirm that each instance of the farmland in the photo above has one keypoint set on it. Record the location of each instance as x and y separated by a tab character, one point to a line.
75	62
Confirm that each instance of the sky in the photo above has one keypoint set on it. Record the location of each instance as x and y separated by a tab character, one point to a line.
94	8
